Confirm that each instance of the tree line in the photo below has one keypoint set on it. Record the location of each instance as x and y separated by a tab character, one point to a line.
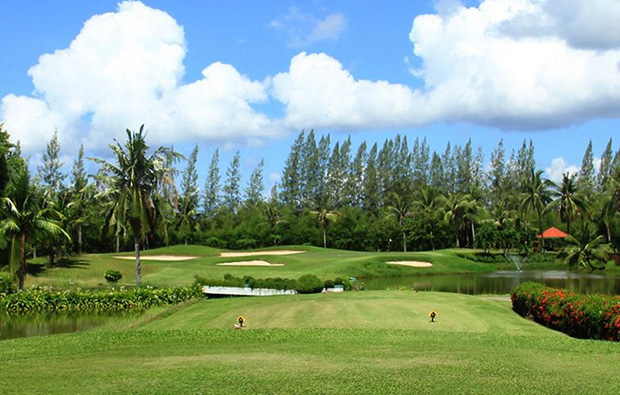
390	196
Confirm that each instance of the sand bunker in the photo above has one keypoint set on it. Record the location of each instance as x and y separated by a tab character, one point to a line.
411	263
250	263
261	253
159	257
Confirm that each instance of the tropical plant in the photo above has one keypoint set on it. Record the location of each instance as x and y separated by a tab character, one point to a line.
585	248
536	196
401	211
568	202
132	183
26	221
325	218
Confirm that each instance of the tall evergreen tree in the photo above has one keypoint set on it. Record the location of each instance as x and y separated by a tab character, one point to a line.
323	164
525	164
356	176
605	169
449	170
291	175
254	190
5	146
212	185
371	187
232	194
585	182
49	172
498	175
436	173
309	172
190	195
78	209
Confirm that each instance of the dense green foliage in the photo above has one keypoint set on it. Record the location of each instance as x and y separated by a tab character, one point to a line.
39	300
582	316
112	275
391	197
308	283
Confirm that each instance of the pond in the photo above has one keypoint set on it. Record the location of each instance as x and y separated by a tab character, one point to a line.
37	325
500	282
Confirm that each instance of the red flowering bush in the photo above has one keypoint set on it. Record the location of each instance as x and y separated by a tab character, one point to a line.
582	316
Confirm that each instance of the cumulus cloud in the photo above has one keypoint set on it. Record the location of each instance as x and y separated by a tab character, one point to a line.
123	69
558	167
512	64
303	29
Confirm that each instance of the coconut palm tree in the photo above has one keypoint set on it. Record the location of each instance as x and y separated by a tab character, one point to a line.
131	181
568	202
536	196
456	210
325	218
401	210
26	221
428	200
586	248
273	219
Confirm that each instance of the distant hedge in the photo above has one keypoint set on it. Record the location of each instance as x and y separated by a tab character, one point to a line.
581	316
40	300
274	283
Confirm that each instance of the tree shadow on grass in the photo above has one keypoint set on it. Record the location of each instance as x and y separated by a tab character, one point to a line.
36	269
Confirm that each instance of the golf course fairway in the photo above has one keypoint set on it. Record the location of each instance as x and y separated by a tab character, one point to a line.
371	342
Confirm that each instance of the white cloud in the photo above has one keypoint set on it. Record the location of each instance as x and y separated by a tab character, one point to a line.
506	63
558	167
303	29
124	69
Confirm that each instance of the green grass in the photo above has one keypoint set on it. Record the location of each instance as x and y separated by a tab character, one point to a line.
357	342
87	271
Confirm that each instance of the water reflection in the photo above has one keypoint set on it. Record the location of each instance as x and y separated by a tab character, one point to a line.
500	282
37	325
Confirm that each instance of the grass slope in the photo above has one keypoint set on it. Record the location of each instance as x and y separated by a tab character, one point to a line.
363	343
87	270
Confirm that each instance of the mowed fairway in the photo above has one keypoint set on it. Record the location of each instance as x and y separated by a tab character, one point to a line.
87	271
376	342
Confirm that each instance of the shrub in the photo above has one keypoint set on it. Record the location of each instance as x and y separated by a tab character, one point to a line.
308	284
112	275
38	300
338	281
329	283
582	316
6	285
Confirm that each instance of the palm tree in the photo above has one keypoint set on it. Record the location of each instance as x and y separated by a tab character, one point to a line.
325	218
274	218
536	197
585	248
428	201
568	202
610	201
25	221
133	181
456	207
401	210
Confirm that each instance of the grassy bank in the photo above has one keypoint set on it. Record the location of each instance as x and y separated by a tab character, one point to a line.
87	270
365	342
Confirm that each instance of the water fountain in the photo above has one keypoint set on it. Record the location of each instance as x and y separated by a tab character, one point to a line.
516	260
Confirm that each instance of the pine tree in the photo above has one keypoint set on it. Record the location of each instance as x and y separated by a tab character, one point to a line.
436	173
356	176
212	186
322	166
585	182
189	184
605	169
525	164
254	190
232	194
49	172
497	175
449	170
345	169
371	187
291	176
309	169
334	178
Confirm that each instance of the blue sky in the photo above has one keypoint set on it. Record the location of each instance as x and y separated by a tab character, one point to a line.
490	70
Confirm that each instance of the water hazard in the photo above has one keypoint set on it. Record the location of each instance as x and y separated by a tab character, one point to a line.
500	282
